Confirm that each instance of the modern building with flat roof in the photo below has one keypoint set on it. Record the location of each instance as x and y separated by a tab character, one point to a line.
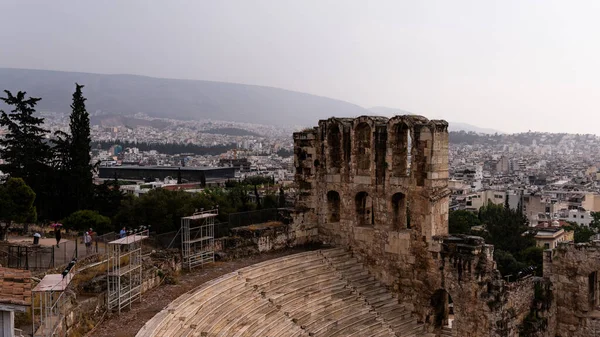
151	173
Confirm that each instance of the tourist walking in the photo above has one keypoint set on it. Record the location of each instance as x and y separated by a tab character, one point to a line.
57	236
87	239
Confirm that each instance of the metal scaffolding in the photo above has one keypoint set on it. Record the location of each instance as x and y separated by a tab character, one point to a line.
199	249
125	271
49	305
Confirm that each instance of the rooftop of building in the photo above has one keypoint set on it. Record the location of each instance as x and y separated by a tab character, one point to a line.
15	287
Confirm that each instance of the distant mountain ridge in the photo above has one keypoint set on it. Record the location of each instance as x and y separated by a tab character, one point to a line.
114	95
176	99
452	126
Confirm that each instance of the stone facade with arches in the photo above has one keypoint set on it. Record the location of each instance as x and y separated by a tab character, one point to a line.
379	187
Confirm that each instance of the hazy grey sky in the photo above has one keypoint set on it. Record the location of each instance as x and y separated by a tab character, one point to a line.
509	65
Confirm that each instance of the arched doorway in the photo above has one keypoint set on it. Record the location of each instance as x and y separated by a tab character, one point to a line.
364	209
399	212
333	206
443	309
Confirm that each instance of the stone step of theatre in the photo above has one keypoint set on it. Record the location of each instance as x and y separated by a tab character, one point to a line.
324	293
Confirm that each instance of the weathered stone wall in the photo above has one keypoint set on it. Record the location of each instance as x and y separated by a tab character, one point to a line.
569	267
379	187
261	238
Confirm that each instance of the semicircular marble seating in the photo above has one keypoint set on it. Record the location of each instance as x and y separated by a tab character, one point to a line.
318	293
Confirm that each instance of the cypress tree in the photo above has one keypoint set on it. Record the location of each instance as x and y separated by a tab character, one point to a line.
257	196
80	160
281	197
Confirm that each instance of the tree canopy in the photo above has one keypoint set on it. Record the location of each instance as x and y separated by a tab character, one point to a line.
461	221
85	219
16	204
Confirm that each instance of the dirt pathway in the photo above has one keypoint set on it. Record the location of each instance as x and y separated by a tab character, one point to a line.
129	323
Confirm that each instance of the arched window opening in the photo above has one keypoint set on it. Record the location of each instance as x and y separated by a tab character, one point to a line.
364	210
401	151
399	212
423	151
333	206
363	146
594	294
334	143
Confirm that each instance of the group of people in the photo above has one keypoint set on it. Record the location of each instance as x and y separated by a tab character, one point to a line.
87	237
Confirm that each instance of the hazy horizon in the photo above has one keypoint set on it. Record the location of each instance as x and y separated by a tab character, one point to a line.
511	66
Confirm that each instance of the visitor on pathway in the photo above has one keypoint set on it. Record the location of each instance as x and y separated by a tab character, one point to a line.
57	235
87	239
123	233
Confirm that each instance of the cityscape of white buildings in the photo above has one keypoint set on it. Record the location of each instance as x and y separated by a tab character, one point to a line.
553	177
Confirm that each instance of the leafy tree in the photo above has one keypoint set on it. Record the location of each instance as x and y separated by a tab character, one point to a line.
596	220
16	204
161	208
507	229
533	256
84	219
270	201
167	148
507	264
107	198
580	233
461	221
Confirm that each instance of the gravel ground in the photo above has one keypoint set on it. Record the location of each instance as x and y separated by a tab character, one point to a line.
128	323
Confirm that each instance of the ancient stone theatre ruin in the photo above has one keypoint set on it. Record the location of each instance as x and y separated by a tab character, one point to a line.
373	193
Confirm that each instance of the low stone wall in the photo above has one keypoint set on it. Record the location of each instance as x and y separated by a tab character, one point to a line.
255	239
524	309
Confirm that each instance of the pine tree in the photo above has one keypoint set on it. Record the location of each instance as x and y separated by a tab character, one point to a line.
23	148
80	160
61	201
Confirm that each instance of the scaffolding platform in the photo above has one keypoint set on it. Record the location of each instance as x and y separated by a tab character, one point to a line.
53	282
198	249
128	239
124	271
50	303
